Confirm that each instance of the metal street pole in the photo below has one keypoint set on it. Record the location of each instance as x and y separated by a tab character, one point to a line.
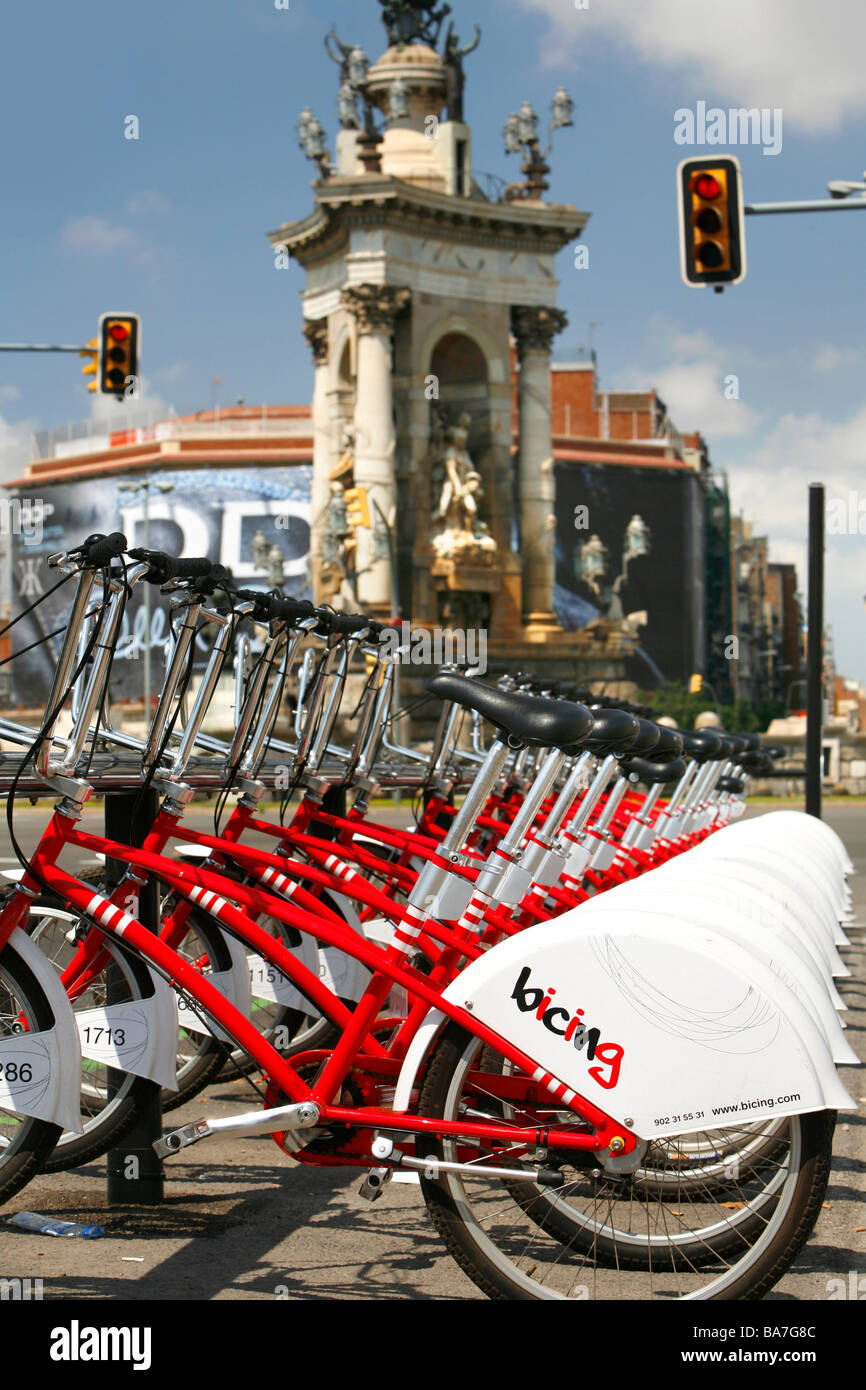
815	654
42	347
804	205
147	618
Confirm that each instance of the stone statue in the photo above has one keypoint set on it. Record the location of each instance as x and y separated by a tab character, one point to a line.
463	535
341	56
453	56
413	19
345	468
337	530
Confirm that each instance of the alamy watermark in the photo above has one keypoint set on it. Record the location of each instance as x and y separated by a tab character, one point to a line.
24	516
737	126
847	516
449	646
21	1290
853	1288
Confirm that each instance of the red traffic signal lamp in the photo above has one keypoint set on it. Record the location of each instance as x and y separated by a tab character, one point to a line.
712	225
119	339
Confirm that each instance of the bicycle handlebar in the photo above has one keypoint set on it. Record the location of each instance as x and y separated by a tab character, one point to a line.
98	550
288	610
164	567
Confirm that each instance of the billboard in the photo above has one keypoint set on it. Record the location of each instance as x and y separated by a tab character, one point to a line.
667	583
209	511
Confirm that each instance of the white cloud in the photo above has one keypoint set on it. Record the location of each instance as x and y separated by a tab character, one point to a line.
16	447
9	393
770	486
694	393
803	57
698	380
119	415
828	358
95	235
150	200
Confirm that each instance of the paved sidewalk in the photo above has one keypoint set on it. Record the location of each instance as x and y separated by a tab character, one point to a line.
241	1221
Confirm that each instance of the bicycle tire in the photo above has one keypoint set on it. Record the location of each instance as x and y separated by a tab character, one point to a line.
110	1098
201	1056
508	1253
25	1142
289	1030
733	1169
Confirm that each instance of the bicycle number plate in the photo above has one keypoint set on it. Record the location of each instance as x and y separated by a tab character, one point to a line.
25	1072
268	982
189	1019
117	1035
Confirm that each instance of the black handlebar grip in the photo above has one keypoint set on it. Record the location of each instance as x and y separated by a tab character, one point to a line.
99	550
289	610
164	567
343	624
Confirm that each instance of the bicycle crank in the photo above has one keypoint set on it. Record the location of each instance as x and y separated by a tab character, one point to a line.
303	1115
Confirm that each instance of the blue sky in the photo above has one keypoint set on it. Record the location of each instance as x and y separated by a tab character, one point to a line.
173	224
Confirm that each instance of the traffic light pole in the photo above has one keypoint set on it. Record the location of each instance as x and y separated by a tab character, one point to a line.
815	205
815	652
42	347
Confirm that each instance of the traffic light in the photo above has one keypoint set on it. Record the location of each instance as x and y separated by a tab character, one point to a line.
357	507
92	368
712	226
696	684
119	336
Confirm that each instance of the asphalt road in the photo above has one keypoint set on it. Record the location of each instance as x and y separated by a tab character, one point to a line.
241	1221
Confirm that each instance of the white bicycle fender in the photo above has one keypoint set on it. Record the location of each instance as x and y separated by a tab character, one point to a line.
268	981
138	1036
768	946
686	1030
234	983
343	974
54	1094
698	885
812	890
789	823
746	879
415	1053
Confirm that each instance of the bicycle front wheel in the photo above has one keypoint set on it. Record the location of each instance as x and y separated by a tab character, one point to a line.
109	1097
601	1237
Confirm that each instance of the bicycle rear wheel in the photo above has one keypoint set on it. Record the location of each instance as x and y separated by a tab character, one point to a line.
25	1142
603	1237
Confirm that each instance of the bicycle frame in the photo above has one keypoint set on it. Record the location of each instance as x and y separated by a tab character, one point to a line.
389	967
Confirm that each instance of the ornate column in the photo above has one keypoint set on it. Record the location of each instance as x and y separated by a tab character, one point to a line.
316	334
375	308
535	328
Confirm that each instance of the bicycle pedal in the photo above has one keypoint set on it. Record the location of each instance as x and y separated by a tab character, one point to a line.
181	1138
373	1184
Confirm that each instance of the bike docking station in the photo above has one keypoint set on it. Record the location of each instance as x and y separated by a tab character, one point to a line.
587	1007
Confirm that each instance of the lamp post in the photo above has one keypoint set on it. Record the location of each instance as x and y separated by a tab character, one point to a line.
268	558
592	562
354	88
144	489
520	135
313	141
